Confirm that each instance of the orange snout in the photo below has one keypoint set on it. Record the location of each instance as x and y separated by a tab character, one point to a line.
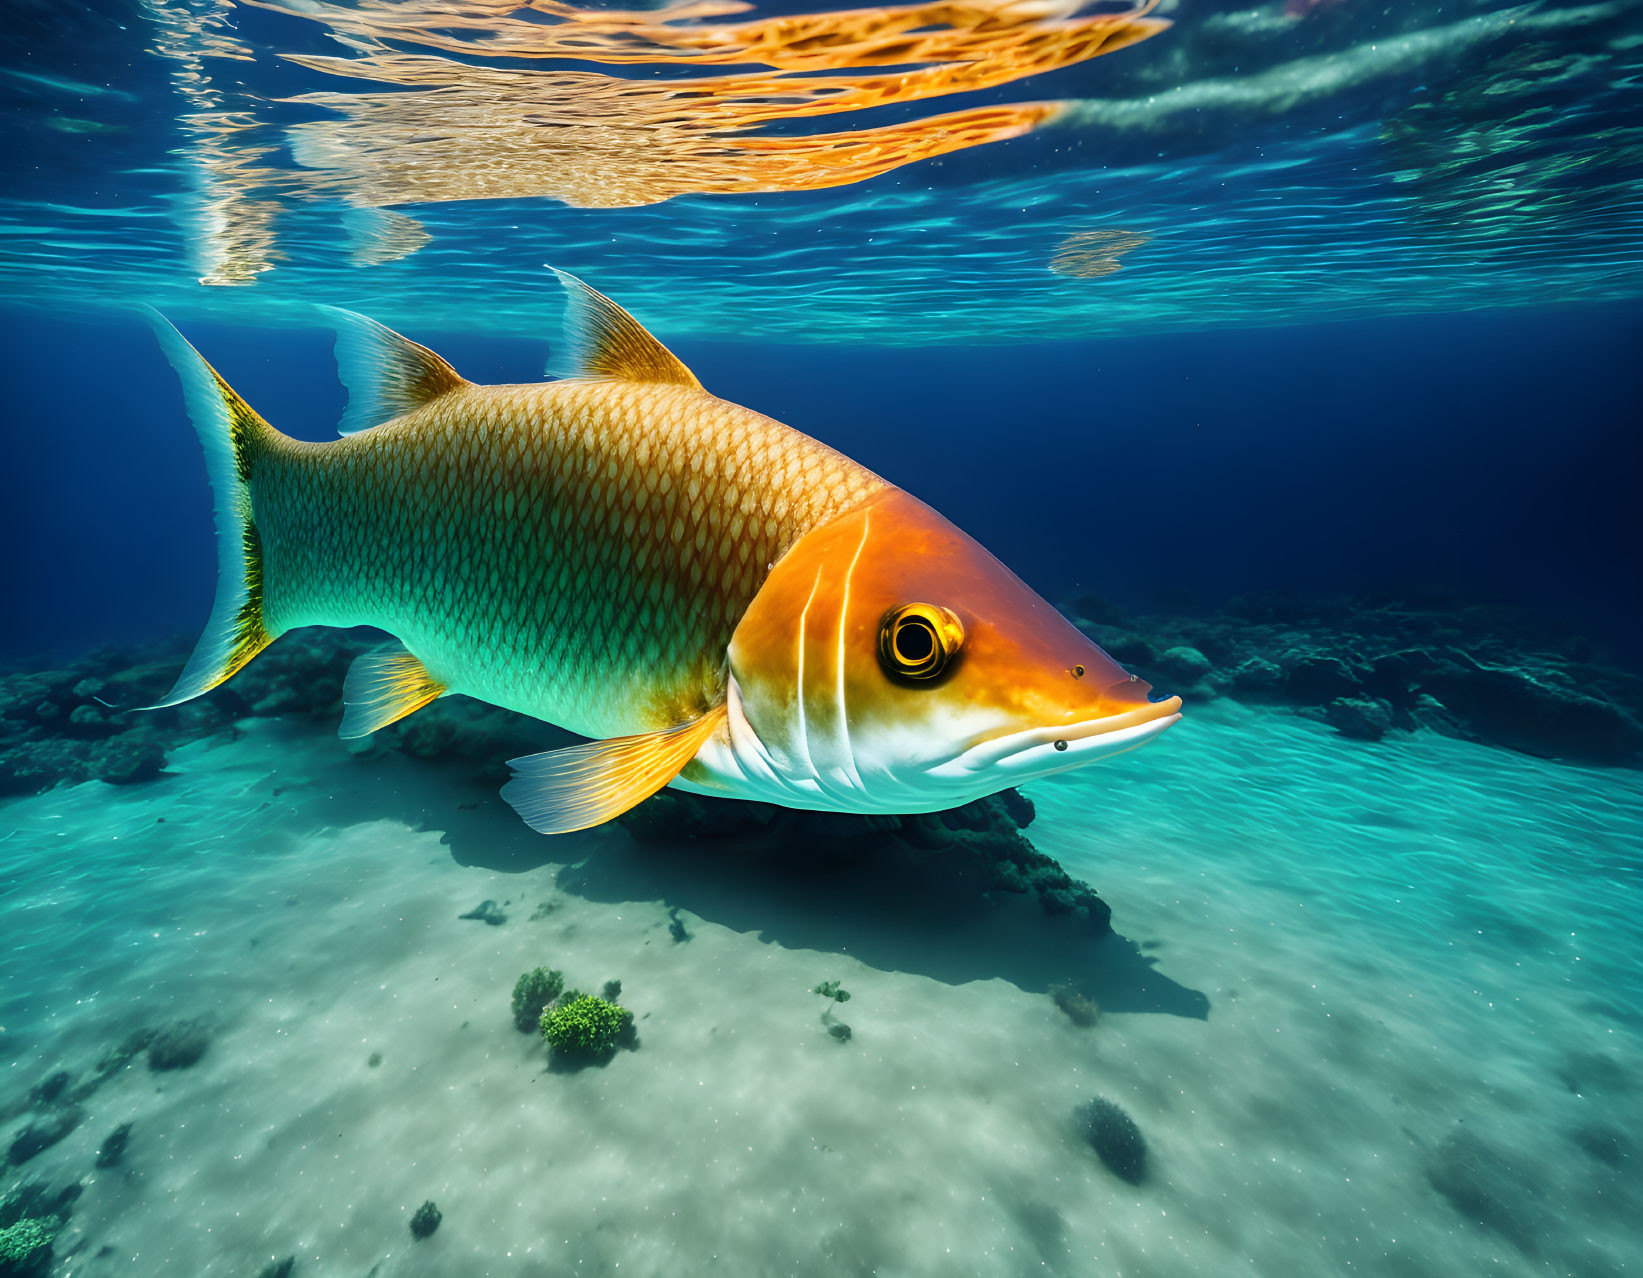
888	639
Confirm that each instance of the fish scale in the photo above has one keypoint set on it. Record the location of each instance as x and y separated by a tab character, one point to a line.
537	545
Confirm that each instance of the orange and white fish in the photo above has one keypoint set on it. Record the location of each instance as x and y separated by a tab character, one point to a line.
725	604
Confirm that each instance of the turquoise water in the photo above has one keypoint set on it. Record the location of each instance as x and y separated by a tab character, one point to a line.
1288	350
1416	1055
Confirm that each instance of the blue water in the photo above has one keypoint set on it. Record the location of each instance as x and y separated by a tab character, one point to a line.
1298	302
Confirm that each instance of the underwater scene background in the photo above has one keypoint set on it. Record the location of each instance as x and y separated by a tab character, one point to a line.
1290	349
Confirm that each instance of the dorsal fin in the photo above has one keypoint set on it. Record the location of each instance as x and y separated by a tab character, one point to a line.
385	374
606	342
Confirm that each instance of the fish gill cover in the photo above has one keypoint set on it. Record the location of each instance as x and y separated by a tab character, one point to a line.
964	170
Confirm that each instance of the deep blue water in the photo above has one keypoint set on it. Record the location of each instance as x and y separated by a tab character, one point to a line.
1483	457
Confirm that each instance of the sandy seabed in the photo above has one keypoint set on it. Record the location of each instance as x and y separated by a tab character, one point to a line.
1377	1012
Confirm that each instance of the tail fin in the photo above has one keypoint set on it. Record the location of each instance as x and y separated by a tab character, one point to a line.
232	435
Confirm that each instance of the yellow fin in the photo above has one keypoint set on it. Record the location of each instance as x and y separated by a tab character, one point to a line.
382	688
386	374
573	788
605	341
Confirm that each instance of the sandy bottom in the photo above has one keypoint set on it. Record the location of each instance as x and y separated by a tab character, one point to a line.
1380	1015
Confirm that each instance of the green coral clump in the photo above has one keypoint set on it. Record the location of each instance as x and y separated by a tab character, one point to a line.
26	1245
532	993
585	1025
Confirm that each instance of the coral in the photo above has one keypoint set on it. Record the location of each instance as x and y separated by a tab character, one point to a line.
586	1027
31	1216
113	1147
1081	1010
611	991
25	1248
1115	1138
532	993
178	1045
425	1220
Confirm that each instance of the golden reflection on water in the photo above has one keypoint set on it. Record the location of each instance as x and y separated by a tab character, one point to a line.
443	125
234	221
1089	255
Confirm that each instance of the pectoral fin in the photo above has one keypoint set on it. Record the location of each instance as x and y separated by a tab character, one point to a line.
580	786
383	687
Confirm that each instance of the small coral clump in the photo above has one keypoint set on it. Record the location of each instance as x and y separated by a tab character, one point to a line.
1115	1138
25	1247
425	1220
585	1026
532	993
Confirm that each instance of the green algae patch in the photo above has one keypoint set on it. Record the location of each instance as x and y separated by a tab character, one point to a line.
585	1027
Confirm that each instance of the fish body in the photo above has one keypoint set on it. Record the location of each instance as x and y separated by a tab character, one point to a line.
579	551
724	603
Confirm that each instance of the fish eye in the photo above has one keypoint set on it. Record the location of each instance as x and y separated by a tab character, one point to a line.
919	641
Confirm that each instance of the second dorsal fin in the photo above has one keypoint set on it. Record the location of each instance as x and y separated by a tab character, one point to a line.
606	342
386	374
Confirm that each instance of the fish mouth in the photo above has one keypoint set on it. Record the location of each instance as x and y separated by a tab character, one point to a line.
1060	747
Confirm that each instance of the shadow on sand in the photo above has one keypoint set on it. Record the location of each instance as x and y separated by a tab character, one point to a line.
895	913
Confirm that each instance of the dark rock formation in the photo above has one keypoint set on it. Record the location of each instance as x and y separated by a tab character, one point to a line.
1370	665
42	1134
113	1148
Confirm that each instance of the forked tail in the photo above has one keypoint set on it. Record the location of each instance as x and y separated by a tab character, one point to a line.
234	437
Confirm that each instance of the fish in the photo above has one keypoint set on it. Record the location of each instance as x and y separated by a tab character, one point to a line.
718	602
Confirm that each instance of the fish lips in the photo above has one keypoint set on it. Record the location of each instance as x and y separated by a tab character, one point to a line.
1041	752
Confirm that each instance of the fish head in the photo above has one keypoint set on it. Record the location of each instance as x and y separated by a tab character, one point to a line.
889	663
